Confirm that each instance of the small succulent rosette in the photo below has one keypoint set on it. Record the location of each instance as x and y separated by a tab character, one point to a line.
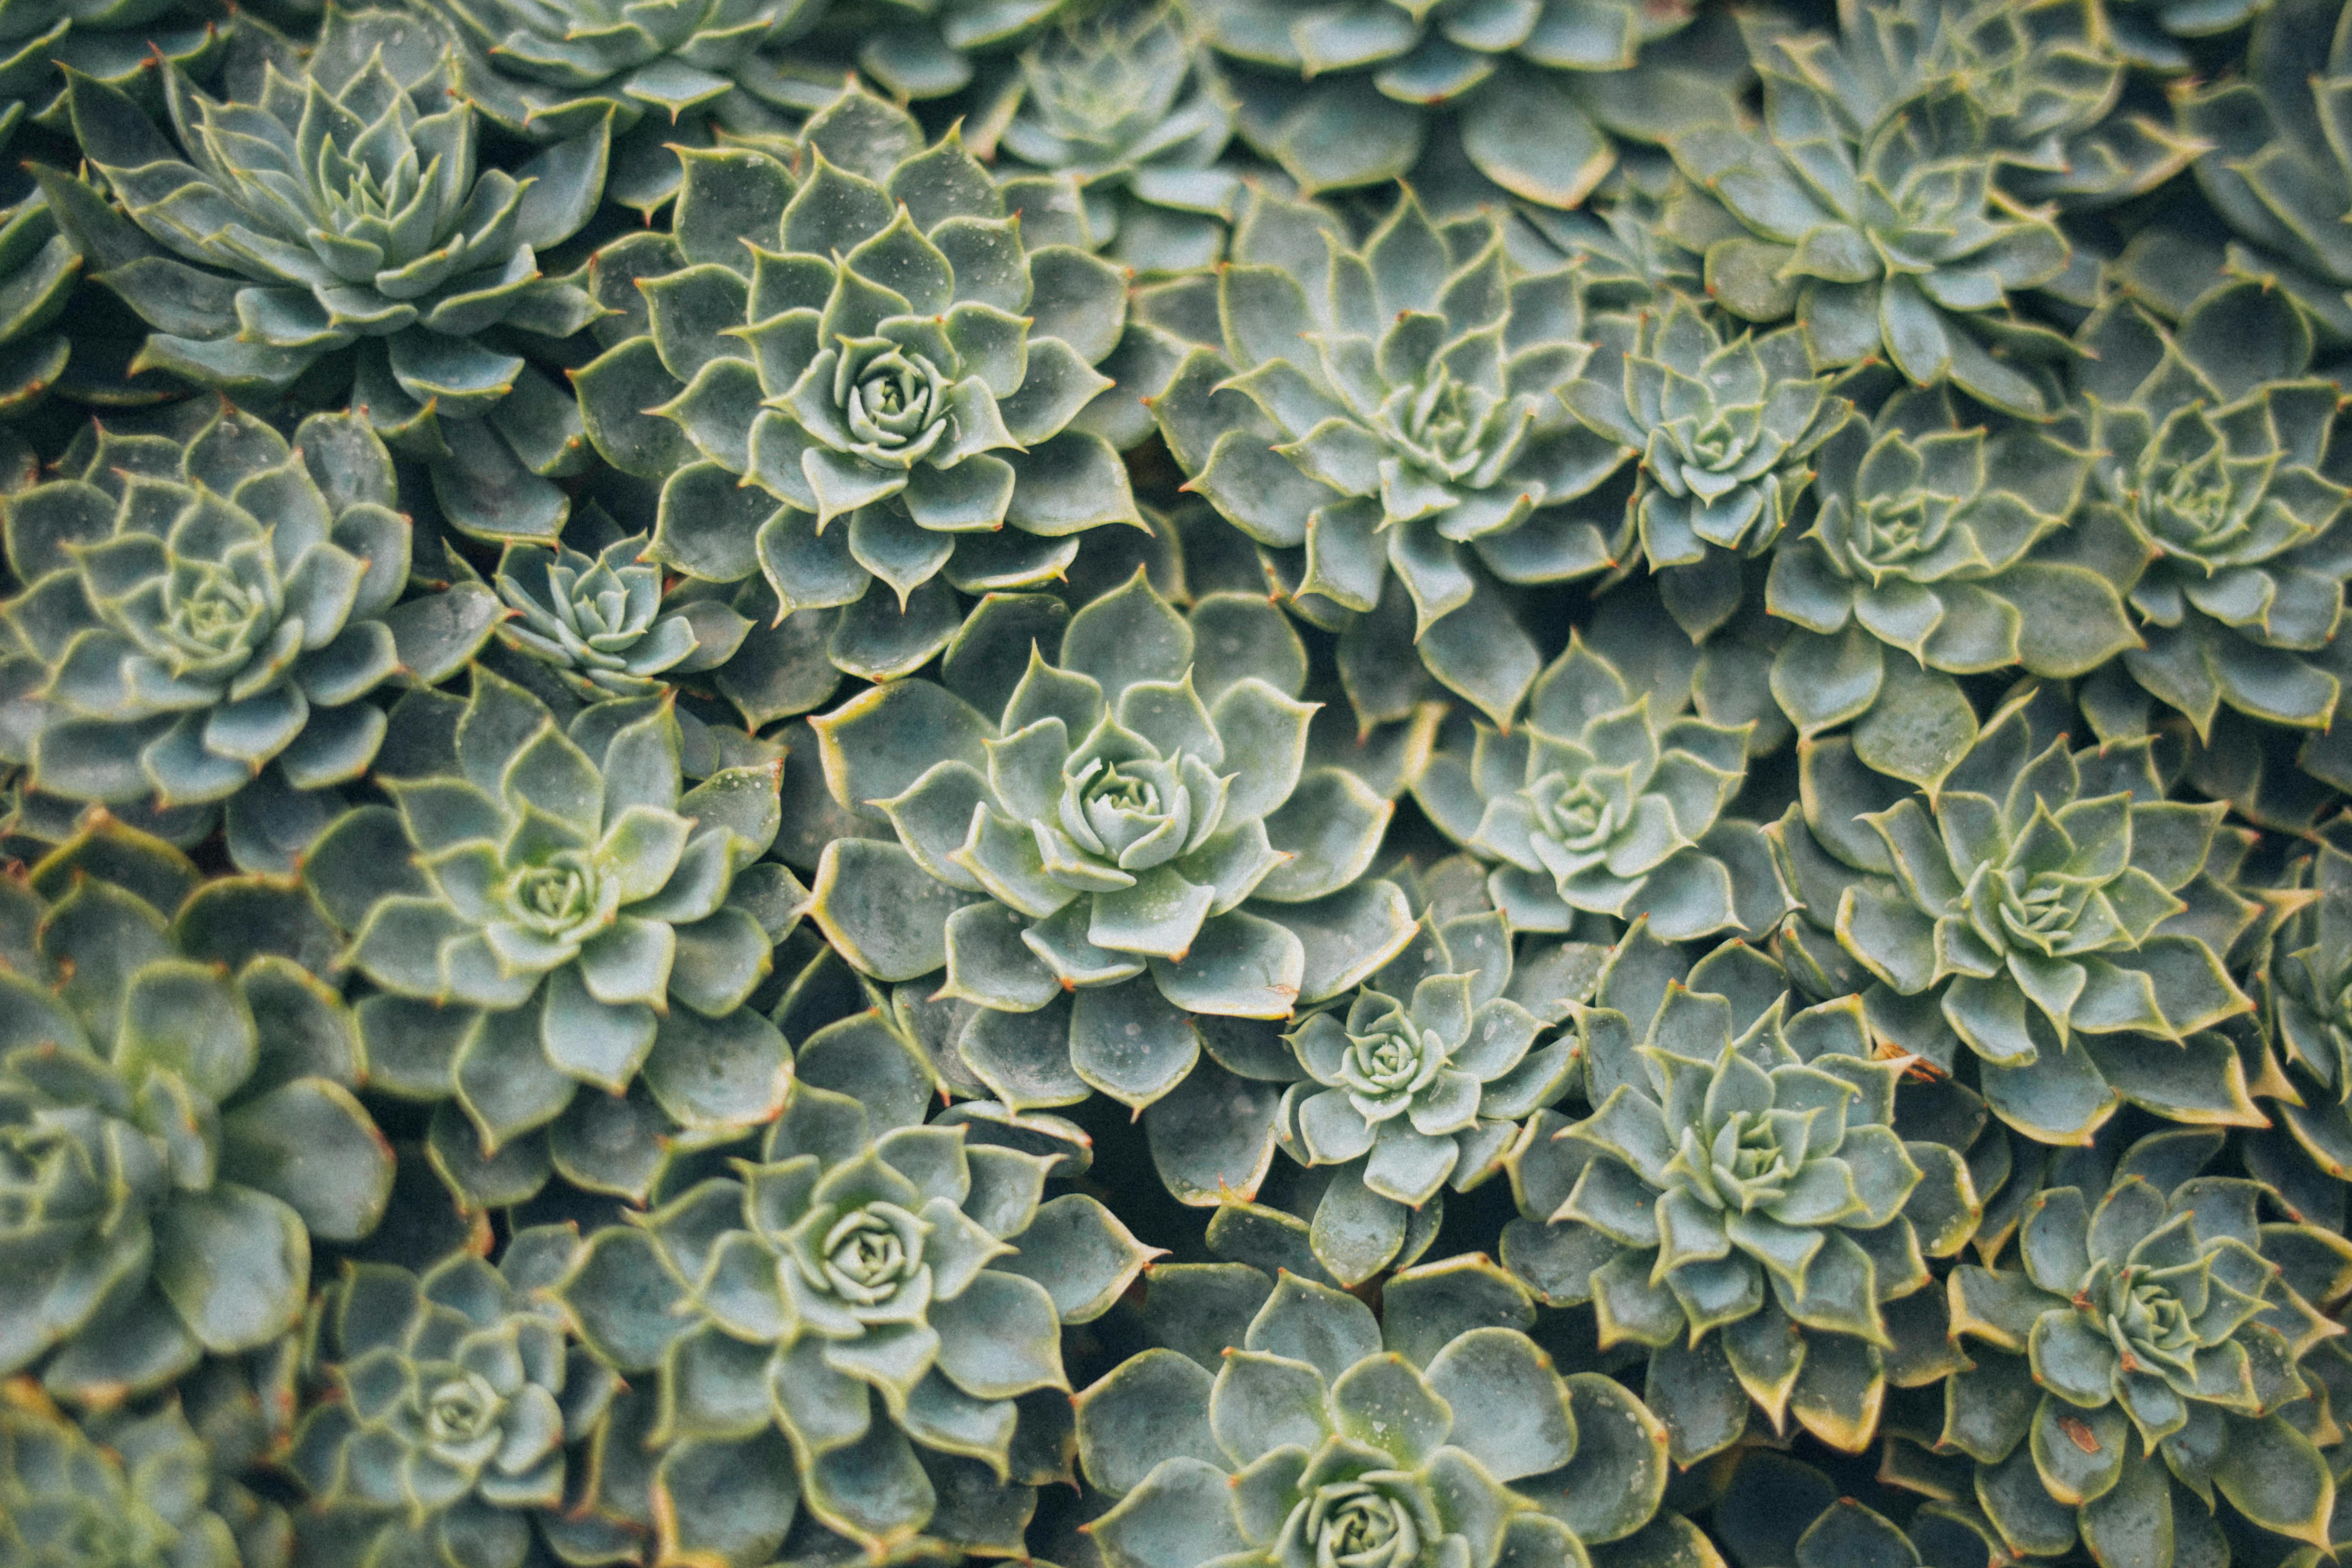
542	907
176	1117
2048	916
1724	430
860	1329
1606	799
1131	844
1129	108
205	611
1459	105
2301	980
2220	504
1739	1200
1278	1421
340	215
2138	1355
448	1407
2278	106
861	380
600	621
1384	421
135	1490
549	70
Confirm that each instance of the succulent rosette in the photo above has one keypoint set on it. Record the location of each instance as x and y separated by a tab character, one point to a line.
176	1116
1724	430
2133	1360
1448	95
111	39
862	1327
548	70
1128	109
1606	799
862	385
1739	1201
600	623
343	213
1936	550
1278	1421
205	610
1384	421
1134	842
2216	471
1872	211
545	906
2048	910
122	1491
455	1398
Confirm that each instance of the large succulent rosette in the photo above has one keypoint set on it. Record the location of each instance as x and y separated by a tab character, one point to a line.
1130	111
176	1116
861	1328
2216	470
1133	843
543	907
343	213
1607	800
457	1401
1279	1423
548	70
1936	550
1739	1201
1873	214
1724	430
858	382
205	611
1470	103
2131	1362
1383	421
2048	910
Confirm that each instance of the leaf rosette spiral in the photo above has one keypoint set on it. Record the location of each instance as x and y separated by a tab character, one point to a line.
601	623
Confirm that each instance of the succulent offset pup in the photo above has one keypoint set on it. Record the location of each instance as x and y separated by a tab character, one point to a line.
598	620
1442	1437
864	1323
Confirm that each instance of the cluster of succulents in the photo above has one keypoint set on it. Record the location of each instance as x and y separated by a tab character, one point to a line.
1175	783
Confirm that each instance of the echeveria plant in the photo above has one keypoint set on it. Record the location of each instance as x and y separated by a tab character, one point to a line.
205	610
1134	841
342	211
858	380
176	1116
1385	420
1280	1423
600	623
863	1323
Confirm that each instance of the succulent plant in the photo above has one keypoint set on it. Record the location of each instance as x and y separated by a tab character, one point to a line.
341	217
1605	800
1107	101
1936	551
859	377
2044	900
205	610
38	269
1739	1201
112	40
2302	979
1135	841
600	623
2150	1318
1871	211
864	1323
1724	430
548	70
449	1400
176	1117
1777	1511
2217	474
1280	1423
123	1491
1383	420
543	907
1520	104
